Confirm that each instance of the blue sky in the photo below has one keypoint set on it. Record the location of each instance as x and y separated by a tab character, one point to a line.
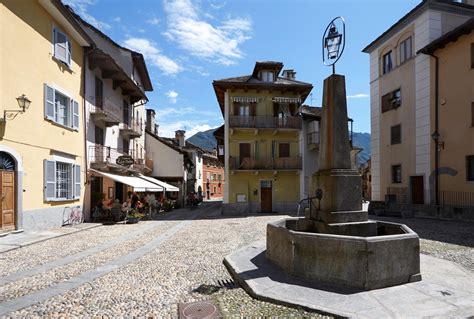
188	44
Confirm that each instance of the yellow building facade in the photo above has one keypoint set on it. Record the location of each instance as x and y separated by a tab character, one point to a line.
262	141
42	148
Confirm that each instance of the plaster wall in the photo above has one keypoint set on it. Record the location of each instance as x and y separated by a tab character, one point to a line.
29	134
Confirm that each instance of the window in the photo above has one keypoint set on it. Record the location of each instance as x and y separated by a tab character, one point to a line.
267	76
99	136
244	110
470	168
391	100
62	47
214	177
125	146
208	176
396	134
62	181
472	55
284	150
60	108
387	62
219	178
472	114
405	50
396	173
99	92
215	190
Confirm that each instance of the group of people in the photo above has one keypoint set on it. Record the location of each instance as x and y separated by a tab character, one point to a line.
193	200
143	203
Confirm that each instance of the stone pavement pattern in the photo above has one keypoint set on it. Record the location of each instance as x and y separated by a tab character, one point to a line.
172	271
163	262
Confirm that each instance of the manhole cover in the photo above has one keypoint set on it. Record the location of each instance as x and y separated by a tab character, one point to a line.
200	309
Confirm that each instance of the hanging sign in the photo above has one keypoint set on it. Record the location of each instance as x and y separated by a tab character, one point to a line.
125	160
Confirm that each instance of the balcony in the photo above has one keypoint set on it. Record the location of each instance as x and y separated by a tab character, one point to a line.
105	158
132	129
280	163
104	112
265	122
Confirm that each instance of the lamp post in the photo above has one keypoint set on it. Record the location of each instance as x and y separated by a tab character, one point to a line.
333	42
23	103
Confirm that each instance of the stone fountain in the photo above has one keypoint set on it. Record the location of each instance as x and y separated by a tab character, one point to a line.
335	243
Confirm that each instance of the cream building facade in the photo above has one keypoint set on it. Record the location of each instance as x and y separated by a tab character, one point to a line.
42	158
402	95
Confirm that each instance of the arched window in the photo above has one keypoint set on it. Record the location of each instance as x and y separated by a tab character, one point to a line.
7	163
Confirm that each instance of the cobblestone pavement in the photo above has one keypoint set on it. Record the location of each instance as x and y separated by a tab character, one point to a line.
136	270
446	239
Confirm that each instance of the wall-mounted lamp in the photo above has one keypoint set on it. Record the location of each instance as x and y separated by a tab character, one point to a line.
23	103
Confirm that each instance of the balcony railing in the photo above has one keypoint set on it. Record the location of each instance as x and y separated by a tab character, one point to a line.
104	110
313	138
251	163
102	156
272	122
131	129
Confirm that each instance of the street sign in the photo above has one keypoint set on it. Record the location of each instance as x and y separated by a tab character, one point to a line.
125	160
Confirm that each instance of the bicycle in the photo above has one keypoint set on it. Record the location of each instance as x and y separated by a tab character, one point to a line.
74	217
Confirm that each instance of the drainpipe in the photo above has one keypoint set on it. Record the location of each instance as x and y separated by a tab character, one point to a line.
84	67
435	134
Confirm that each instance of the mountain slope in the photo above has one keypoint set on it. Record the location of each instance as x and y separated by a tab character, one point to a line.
207	141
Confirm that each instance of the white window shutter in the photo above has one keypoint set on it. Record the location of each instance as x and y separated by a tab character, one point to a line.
49	107
49	180
77	182
75	114
69	52
60	46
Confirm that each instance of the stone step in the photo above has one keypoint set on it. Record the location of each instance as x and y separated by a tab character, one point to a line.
347	217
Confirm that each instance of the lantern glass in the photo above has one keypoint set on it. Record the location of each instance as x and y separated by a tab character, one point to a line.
333	43
23	102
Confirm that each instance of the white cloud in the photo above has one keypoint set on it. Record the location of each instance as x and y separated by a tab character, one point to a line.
81	7
191	127
153	21
202	39
178	112
117	19
216	4
358	96
172	96
153	54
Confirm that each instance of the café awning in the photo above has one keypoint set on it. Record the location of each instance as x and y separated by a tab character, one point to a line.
138	184
167	187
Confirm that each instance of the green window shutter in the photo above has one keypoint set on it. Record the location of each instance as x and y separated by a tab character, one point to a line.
49	180
49	104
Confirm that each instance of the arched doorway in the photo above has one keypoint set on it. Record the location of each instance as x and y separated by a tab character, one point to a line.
8	196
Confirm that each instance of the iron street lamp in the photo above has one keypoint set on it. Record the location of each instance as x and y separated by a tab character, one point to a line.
333	42
23	103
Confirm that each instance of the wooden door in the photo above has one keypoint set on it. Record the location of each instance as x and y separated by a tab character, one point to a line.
266	196
244	152
417	190
7	207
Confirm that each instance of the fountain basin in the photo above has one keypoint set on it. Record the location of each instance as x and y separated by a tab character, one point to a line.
382	255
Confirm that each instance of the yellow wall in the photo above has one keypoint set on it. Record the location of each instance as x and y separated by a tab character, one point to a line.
285	184
456	94
26	63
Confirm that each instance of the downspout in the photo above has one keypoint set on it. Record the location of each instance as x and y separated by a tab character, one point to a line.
435	135
84	67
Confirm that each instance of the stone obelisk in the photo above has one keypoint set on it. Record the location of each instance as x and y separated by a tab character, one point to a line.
341	186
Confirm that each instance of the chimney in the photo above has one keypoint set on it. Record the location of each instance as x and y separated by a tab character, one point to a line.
179	137
156	126
150	120
214	152
289	74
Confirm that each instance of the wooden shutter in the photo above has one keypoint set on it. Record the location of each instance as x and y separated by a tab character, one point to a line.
276	108
236	108
49	105
77	182
60	46
49	180
253	109
292	109
75	115
387	102
284	150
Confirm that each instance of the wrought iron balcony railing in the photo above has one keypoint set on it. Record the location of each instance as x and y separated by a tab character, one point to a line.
104	110
271	122
132	128
252	163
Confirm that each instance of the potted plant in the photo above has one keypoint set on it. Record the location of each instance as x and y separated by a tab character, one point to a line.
134	216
